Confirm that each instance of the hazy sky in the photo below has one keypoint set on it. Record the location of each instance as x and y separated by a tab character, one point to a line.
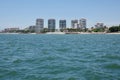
23	13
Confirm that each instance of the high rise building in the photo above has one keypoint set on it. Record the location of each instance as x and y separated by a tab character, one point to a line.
76	26
62	24
51	25
73	23
39	25
83	23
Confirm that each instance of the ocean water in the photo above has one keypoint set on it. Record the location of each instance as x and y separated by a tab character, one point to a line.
59	57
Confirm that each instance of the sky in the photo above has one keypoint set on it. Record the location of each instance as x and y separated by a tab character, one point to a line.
23	13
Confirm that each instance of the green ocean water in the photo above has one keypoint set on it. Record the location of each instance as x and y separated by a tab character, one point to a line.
59	57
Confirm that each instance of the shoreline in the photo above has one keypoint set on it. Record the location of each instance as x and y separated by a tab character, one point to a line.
66	33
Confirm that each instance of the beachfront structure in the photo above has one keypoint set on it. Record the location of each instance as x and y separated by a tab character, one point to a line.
11	29
73	22
39	25
76	26
99	25
51	25
83	23
32	28
62	24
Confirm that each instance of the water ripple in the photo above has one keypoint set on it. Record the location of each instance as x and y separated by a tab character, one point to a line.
59	57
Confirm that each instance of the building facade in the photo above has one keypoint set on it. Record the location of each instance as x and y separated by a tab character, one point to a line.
39	25
73	23
99	25
11	29
76	26
83	23
32	28
51	25
62	24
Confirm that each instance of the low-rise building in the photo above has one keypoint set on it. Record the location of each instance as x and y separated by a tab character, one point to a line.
32	28
11	29
99	25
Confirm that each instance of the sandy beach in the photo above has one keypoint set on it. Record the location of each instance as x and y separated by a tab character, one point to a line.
66	33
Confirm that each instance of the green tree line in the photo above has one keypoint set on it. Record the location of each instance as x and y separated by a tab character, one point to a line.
114	29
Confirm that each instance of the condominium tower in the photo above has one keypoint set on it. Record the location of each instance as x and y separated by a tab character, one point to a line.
51	25
39	25
82	23
73	23
62	24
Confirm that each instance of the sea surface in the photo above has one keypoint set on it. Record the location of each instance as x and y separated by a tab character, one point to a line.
59	57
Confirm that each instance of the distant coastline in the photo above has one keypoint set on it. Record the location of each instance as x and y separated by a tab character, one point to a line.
67	33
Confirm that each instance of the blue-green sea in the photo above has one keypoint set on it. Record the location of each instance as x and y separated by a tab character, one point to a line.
59	57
